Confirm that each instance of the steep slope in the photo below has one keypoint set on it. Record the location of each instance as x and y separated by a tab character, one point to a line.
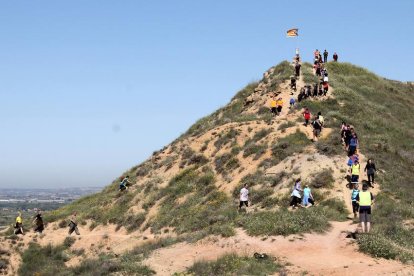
187	192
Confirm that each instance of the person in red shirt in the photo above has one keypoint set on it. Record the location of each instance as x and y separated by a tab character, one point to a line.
307	116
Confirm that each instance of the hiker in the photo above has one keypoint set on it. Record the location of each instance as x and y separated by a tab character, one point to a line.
244	197
279	104
347	136
273	106
297	69
325	77
301	95
370	170
19	224
343	130
307	116
38	222
292	102
73	226
365	200
355	169
295	196
335	57
354	194
353	144
321	119
307	200
316	54
317	128
315	90
325	87
124	183
293	83
325	56
308	91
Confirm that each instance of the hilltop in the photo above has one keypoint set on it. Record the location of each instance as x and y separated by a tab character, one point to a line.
182	206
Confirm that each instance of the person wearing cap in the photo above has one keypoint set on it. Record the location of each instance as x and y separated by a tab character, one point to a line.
365	199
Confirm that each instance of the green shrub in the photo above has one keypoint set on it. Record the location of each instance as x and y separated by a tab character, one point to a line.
323	179
252	148
293	143
232	264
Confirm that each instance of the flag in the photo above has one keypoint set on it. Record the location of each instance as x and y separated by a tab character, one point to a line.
292	32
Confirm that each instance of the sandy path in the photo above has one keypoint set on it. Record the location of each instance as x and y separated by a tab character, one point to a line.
325	254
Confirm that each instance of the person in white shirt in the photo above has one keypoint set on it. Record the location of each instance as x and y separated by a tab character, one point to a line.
244	197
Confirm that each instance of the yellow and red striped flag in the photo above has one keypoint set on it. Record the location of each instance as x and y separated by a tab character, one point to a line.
292	32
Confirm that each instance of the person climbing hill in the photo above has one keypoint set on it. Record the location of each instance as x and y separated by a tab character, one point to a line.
307	116
273	106
355	205
297	69
279	104
292	102
317	128
19	224
370	170
365	199
124	183
73	225
244	197
38	222
355	170
353	143
295	196
293	84
307	197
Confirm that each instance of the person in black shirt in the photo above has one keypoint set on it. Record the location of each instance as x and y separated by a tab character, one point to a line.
38	222
325	56
370	169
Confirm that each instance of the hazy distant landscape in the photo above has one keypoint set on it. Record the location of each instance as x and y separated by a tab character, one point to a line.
28	201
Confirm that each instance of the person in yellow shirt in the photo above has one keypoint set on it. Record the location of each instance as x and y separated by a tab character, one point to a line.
273	106
279	104
365	199
19	224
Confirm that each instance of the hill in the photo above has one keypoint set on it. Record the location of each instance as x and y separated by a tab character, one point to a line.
182	206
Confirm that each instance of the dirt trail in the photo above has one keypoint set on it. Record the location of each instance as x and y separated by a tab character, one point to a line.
325	254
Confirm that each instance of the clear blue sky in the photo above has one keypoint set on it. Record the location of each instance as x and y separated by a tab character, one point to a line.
91	88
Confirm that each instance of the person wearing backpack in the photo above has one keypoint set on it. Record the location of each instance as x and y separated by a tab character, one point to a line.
370	170
321	119
365	199
307	116
355	169
355	205
317	128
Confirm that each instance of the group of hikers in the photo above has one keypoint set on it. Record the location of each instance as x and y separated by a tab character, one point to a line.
39	225
361	200
37	222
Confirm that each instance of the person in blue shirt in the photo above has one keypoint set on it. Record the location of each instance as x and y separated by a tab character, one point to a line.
353	145
354	195
292	102
307	197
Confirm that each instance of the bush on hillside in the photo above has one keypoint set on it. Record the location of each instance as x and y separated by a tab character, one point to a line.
232	264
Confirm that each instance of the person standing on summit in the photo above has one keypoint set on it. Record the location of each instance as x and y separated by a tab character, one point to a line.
325	56
335	57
